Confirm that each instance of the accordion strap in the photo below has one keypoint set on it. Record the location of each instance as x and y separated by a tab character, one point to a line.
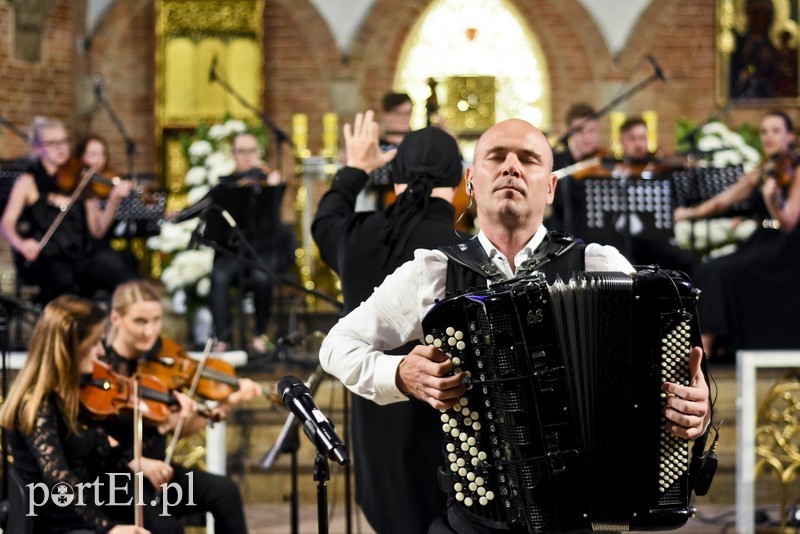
472	255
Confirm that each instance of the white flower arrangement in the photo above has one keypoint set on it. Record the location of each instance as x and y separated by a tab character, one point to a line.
724	148
187	273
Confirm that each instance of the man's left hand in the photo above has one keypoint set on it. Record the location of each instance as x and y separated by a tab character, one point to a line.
688	407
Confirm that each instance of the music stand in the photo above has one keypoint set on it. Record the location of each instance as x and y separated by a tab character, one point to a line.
611	206
256	211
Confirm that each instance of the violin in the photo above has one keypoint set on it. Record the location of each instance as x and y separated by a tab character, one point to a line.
170	363
781	167
73	171
105	393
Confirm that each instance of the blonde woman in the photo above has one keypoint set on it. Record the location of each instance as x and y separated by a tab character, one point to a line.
136	319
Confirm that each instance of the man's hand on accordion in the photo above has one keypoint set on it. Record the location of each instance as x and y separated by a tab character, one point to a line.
423	374
688	407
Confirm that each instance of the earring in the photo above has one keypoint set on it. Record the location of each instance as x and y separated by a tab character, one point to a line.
470	187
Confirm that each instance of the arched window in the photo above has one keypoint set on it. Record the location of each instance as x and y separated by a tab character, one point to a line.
484	44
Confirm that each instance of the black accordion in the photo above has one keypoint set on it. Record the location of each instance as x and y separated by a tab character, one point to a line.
561	428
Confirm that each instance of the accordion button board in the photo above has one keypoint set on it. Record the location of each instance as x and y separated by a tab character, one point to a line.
562	427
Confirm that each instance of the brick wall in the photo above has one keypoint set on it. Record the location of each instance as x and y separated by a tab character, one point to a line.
305	72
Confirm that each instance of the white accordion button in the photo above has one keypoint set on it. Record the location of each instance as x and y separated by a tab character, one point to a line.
460	462
468	501
462	472
454	432
451	447
465	411
459	496
459	335
429	339
444	417
451	341
446	428
481	456
470	476
452	422
490	495
437	342
484	501
463	436
456	361
475	462
450	331
452	457
481	490
454	467
479	481
476	425
461	345
471	441
464	447
473	451
458	486
473	486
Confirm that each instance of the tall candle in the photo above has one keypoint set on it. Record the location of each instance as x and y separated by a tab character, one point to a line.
330	134
300	133
650	117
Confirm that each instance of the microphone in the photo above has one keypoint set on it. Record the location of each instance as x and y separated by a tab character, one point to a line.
98	87
197	234
292	339
656	68
297	398
212	72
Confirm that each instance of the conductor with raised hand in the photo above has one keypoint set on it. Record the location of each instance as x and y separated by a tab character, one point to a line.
396	449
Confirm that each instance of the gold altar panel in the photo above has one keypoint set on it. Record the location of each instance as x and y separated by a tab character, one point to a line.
470	103
179	54
191	34
211	97
243	62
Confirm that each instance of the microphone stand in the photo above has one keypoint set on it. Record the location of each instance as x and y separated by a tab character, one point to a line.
130	144
258	263
657	75
280	136
19	133
321	476
289	441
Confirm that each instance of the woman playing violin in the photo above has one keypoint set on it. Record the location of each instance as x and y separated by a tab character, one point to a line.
748	295
48	440
70	261
136	319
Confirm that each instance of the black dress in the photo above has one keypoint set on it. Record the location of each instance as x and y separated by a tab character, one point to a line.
751	296
397	447
52	456
72	261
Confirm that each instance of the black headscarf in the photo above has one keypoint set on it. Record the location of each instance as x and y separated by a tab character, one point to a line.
425	159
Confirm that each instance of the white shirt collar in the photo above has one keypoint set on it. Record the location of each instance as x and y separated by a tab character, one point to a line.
502	262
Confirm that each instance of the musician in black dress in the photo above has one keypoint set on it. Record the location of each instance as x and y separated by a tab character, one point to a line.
512	182
395	446
261	226
50	442
72	261
749	296
136	319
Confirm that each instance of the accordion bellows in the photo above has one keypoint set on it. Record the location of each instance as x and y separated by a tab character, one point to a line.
561	428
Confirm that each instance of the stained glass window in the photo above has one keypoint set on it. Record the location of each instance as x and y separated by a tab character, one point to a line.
475	40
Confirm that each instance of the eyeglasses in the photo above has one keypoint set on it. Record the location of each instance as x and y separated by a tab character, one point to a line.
247	151
55	144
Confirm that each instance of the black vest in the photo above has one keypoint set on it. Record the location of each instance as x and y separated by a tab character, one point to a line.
469	267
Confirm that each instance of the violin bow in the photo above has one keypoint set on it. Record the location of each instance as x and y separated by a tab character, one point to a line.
138	518
179	427
87	176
